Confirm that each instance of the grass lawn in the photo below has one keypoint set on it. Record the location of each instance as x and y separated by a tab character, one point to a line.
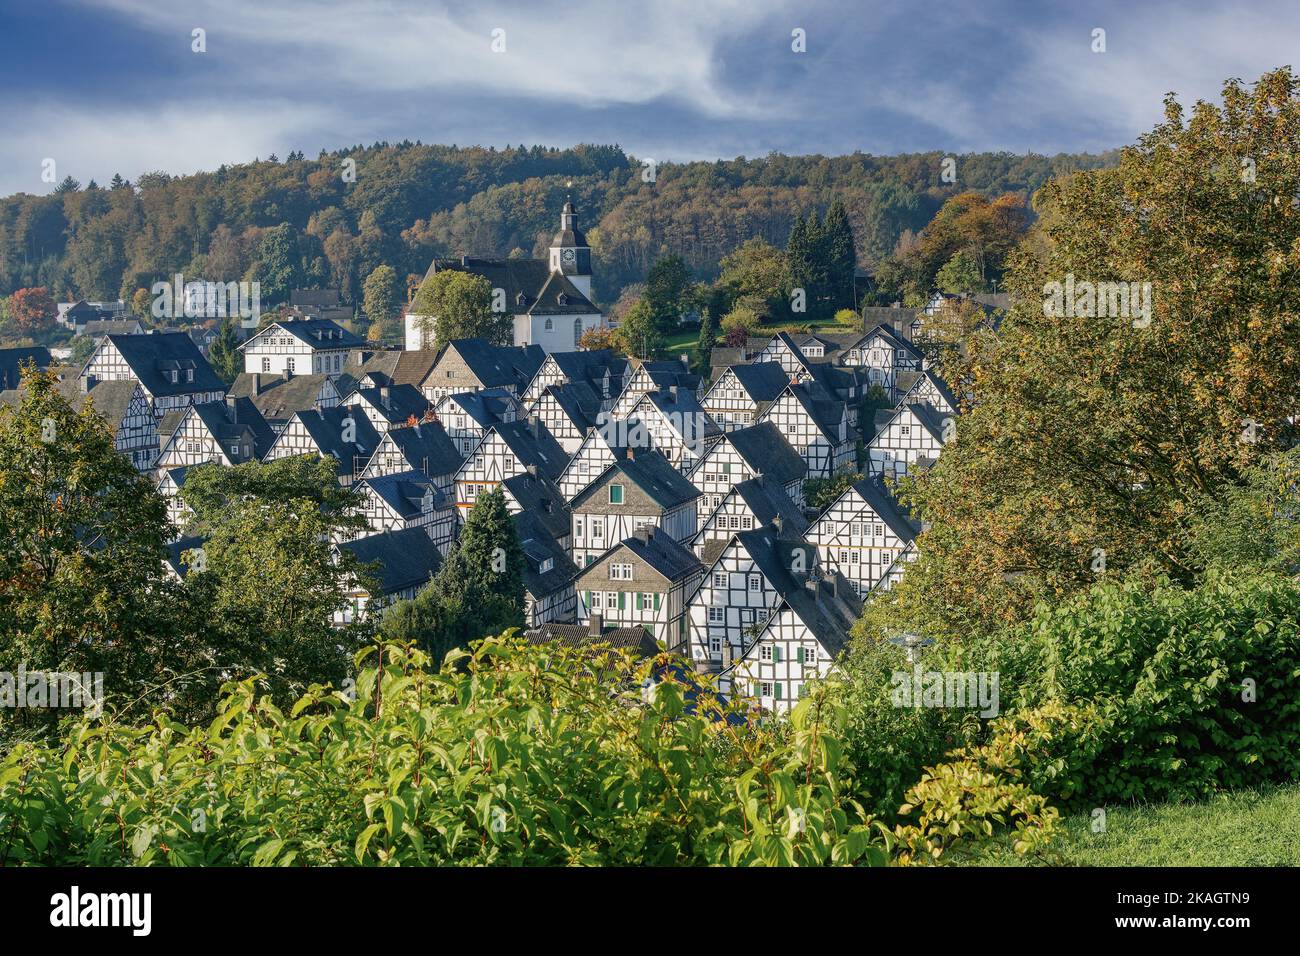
1248	828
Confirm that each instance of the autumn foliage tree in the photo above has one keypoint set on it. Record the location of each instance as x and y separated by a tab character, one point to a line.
1094	436
32	310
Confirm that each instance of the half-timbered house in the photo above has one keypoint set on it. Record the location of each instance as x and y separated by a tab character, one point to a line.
783	351
568	411
604	371
168	365
883	354
407	500
740	394
907	438
549	591
862	533
596	453
227	433
300	347
342	433
645	579
927	388
277	397
640	489
424	448
653	377
816	426
401	562
390	406
747	505
508	449
675	425
750	452
468	415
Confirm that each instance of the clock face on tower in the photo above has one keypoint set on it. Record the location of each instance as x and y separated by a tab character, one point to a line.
568	255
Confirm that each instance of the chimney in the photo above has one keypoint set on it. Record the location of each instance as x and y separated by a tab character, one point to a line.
384	393
535	426
642	535
87	383
595	625
257	383
464	261
778	524
672	392
726	653
532	472
232	406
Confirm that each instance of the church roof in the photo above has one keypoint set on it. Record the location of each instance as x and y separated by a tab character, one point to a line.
530	286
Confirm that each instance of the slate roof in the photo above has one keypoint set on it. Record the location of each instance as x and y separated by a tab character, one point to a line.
650	471
396	403
533	444
112	400
895	339
113	326
929	418
825	411
403	492
898	318
395	367
176	550
665	374
939	385
407	558
488	406
426	447
658	549
875	494
326	429
827	614
539	497
12	360
590	366
499	365
150	356
768	501
227	423
532	279
682	410
277	397
764	381
768	452
540	545
634	639
578	401
317	334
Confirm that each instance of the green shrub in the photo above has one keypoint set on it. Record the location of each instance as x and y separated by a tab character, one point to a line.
521	755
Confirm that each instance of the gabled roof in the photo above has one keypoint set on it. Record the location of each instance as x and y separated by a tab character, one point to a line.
829	612
763	381
407	558
824	411
395	367
768	501
650	471
277	397
768	452
396	403
679	406
665	374
176	553
499	365
317	334
878	498
634	639
578	401
12	360
938	384
151	357
226	421
111	326
538	496
531	278
539	546
403	492
589	366
111	400
426	447
326	429
658	549
890	335
487	406
929	418
532	444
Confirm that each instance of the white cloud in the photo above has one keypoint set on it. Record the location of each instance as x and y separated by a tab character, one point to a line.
95	144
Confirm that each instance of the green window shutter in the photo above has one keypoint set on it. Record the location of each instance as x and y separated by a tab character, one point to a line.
776	654
776	687
587	597
638	600
798	655
621	595
656	601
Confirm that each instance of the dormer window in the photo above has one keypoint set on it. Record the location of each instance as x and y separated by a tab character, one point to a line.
562	298
189	375
546	565
175	376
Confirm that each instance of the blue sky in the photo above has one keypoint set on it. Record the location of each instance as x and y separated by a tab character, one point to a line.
104	86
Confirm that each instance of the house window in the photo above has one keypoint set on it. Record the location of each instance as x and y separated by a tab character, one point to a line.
615	494
719	579
550	325
266	365
764	689
546	565
577	330
620	572
174	377
597	530
577	527
715	644
189	375
596	600
288	365
755	582
765	652
905	430
717	615
644	601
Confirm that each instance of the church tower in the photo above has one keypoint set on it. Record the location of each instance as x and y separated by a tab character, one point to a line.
570	253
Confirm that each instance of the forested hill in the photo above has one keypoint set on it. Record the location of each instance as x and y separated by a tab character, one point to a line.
328	221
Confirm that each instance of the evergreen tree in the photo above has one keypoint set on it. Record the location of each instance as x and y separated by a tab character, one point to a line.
665	291
708	339
806	252
841	258
478	591
224	355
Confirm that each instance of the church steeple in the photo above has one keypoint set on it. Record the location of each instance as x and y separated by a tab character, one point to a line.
570	253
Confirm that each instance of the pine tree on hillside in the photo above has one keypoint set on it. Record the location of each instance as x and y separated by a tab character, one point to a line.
708	339
478	591
806	251
841	258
